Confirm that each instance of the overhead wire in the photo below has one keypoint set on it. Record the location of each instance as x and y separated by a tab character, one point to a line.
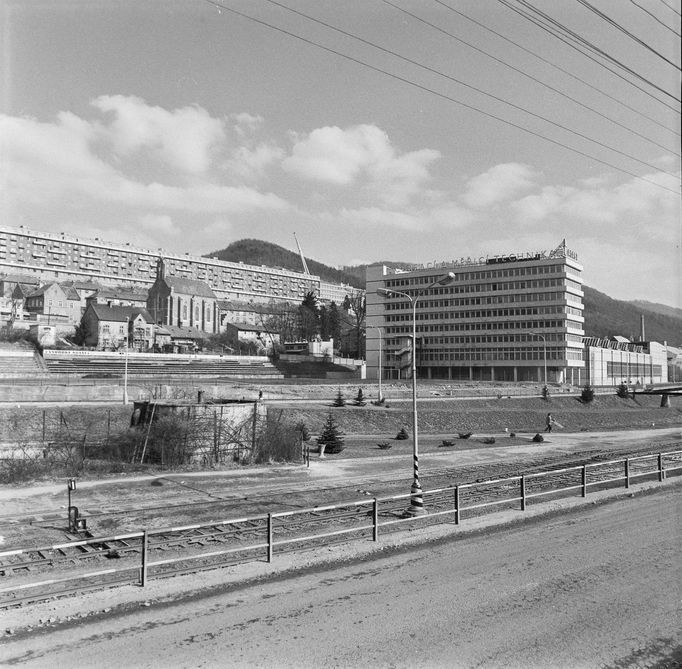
524	74
595	49
558	68
626	32
655	18
572	43
466	85
284	31
672	9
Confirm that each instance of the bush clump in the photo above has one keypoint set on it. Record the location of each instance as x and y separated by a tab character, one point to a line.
622	391
587	394
402	434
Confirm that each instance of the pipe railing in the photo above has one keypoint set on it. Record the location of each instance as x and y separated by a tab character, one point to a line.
141	573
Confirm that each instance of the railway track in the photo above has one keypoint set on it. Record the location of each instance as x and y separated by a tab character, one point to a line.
47	571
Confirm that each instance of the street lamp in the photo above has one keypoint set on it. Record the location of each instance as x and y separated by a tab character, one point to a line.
416	507
544	346
381	397
125	372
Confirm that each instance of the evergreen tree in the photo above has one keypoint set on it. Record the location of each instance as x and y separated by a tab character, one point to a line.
622	390
331	437
359	399
335	324
588	394
339	401
309	317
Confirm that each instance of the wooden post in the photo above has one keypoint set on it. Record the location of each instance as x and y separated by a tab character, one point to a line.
627	472
584	481
457	510
269	537
523	492
661	471
145	548
375	520
43	426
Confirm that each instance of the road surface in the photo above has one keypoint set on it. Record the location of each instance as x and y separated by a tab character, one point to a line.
599	587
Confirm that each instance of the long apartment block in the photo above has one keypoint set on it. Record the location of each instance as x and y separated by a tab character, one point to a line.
60	257
517	317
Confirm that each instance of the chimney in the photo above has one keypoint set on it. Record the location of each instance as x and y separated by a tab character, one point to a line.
642	336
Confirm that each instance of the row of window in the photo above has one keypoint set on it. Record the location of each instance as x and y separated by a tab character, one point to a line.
507	338
483	313
497	354
486	327
628	369
477	276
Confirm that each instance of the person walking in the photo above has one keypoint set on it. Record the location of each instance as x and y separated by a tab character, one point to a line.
549	421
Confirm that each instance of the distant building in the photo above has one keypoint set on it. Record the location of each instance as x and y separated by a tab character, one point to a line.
612	361
118	297
109	328
262	340
499	318
182	302
178	339
55	303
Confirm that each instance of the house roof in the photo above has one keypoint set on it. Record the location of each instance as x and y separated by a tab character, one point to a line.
41	290
189	286
178	332
247	327
21	278
120	314
120	294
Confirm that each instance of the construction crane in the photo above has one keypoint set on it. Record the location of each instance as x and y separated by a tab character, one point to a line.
306	271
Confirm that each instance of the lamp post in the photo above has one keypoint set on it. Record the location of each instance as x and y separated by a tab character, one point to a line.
544	347
125	368
381	397
416	507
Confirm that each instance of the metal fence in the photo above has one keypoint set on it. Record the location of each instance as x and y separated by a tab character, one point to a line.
239	540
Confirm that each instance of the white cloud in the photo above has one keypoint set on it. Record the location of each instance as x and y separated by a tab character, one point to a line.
500	183
251	164
360	154
183	138
158	224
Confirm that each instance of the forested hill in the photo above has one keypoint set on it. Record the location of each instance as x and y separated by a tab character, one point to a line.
604	316
257	252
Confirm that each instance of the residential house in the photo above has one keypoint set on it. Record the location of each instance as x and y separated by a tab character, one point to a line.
54	303
244	336
108	328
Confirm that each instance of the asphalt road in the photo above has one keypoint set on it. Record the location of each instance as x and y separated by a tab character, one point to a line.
599	587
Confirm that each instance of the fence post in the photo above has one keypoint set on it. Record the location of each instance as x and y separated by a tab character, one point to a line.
627	472
457	510
661	471
145	548
269	537
375	520
523	492
584	481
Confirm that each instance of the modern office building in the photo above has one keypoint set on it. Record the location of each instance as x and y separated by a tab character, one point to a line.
610	362
517	317
60	257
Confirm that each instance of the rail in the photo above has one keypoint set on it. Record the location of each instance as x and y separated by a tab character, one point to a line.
239	540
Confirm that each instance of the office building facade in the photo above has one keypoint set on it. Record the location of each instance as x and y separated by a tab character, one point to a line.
517	317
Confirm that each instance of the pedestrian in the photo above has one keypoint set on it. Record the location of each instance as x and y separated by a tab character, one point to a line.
260	395
549	420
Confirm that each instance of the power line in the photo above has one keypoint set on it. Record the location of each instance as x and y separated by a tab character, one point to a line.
595	49
443	96
560	69
525	74
466	85
667	6
625	31
570	42
655	18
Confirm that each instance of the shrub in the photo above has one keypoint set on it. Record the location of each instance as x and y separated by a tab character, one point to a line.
402	434
622	391
278	441
587	394
538	438
384	445
302	429
464	435
489	440
339	401
545	393
331	437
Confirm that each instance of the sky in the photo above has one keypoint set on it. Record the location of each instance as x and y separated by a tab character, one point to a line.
375	130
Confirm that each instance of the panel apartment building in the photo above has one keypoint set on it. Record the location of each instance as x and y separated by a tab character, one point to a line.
501	318
60	257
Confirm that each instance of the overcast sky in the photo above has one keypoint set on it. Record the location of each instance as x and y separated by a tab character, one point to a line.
182	125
